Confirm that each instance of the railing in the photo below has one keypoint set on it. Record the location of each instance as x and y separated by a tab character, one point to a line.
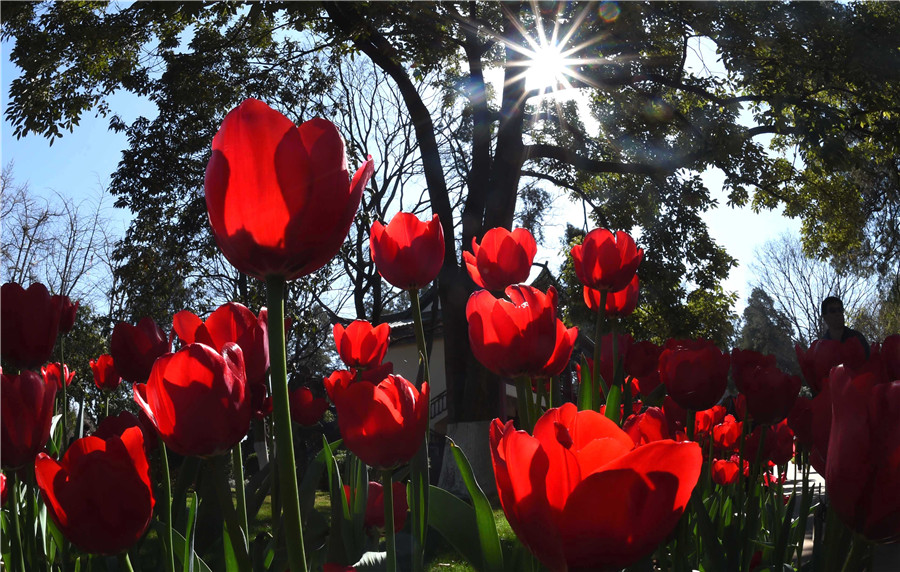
438	404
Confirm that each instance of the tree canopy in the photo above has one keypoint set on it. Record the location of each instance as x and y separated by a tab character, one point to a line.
815	82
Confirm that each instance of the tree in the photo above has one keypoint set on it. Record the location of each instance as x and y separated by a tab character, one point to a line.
797	285
659	122
767	330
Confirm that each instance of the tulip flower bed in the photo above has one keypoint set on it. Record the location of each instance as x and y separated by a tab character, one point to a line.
649	465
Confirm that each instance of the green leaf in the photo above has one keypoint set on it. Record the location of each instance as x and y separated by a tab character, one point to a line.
613	401
186	560
231	564
488	538
178	543
454	519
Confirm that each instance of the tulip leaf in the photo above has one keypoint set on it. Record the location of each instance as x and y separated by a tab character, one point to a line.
454	519
484	515
178	543
231	563
613	401
784	532
81	416
712	548
313	475
186	560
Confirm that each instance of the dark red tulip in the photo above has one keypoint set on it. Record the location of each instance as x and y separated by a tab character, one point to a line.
800	421
106	376
821	428
822	355
115	426
135	348
55	373
562	351
279	197
623	345
862	476
234	323
642	362
374	519
408	252
606	261
580	477
778	446
890	353
67	312
197	399
383	424
362	345
647	427
770	393
26	402
502	259
29	323
695	372
513	337
724	472
306	409
99	495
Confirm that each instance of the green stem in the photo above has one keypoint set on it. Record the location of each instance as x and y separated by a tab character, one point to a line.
237	464
599	389
125	562
388	491
523	398
284	439
232	524
419	464
18	554
167	506
106	411
859	551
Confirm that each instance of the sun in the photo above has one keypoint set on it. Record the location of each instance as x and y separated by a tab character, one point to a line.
547	69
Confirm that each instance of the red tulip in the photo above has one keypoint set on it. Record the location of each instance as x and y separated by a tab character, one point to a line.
67	312
383	424
345	377
705	420
863	471
408	252
724	472
135	348
234	323
26	403
513	337
99	495
362	345
374	518
106	377
504	258
55	373
822	355
618	304
562	351
29	322
580	495
606	261
770	393
727	434
306	409
695	373
647	427
3	491
279	197
197	400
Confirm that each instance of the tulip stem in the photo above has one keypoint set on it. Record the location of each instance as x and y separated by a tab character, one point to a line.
167	506
523	398
18	555
237	463
419	463
125	562
599	389
388	491
284	439
232	524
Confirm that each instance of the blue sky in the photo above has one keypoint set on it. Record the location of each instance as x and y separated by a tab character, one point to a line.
80	164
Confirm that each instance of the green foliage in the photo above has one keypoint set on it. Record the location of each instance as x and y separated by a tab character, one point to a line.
767	330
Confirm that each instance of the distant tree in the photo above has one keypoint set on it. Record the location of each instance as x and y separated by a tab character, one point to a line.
767	330
797	285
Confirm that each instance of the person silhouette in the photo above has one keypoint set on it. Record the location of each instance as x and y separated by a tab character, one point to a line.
835	329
